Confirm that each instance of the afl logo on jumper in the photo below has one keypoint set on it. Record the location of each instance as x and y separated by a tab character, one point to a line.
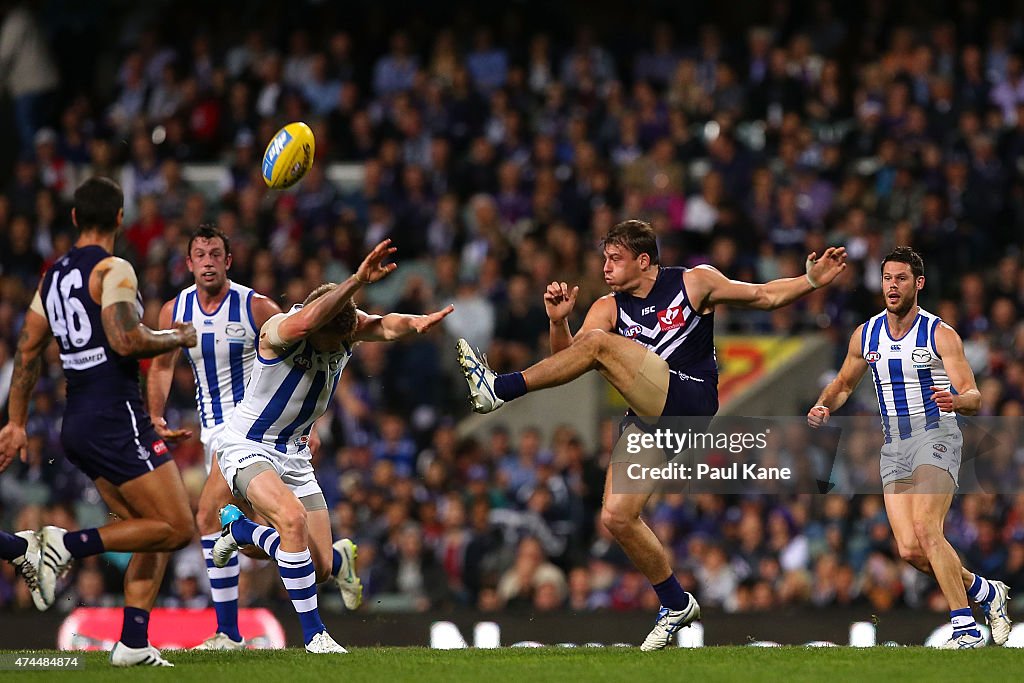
632	331
872	356
671	318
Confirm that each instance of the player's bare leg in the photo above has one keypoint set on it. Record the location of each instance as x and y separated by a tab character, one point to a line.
288	542
901	505
930	497
155	517
618	359
134	501
334	560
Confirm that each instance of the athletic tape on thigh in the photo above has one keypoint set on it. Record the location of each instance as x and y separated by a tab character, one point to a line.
314	502
651	383
245	476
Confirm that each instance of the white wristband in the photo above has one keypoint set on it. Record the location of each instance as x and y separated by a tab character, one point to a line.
807	267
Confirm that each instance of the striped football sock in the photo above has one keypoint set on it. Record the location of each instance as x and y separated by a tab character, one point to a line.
223	589
963	622
981	590
300	580
268	539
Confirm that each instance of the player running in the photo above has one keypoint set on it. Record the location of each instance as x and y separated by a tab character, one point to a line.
229	316
89	301
652	338
263	451
922	380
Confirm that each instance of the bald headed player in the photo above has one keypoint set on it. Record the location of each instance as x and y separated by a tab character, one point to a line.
652	339
228	317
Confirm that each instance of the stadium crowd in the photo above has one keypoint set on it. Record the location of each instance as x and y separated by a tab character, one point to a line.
496	155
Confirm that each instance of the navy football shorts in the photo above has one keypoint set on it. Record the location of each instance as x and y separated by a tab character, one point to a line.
117	443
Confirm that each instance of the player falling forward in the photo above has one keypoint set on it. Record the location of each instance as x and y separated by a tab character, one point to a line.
263	452
918	362
652	339
229	316
89	301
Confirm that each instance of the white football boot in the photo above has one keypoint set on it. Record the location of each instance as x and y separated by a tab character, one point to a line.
220	641
480	378
995	612
54	562
963	642
323	644
226	546
122	655
668	624
347	580
28	566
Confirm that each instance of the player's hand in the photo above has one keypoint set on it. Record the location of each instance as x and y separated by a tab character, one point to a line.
822	271
187	334
170	435
944	399
817	416
425	323
373	267
12	443
559	301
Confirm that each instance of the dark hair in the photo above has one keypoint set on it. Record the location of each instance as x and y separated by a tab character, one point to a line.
97	202
637	236
908	256
209	232
346	320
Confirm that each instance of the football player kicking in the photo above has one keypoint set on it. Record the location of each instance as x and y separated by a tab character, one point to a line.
923	381
263	450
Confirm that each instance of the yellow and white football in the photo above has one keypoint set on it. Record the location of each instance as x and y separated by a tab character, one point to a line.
289	156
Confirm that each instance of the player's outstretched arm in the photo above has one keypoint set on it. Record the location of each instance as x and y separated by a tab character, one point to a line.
114	286
285	331
397	325
967	400
158	383
839	389
28	362
714	288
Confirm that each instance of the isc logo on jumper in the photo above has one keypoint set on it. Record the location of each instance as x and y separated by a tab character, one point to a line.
274	151
671	318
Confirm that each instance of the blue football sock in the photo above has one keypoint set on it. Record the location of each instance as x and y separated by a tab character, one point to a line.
135	627
509	385
672	594
84	543
12	547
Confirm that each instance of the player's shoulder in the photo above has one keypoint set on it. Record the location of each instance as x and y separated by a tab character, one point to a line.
111	262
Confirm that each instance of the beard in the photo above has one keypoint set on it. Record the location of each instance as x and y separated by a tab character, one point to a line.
901	307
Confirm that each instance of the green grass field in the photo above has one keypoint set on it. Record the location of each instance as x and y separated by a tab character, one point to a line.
391	665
